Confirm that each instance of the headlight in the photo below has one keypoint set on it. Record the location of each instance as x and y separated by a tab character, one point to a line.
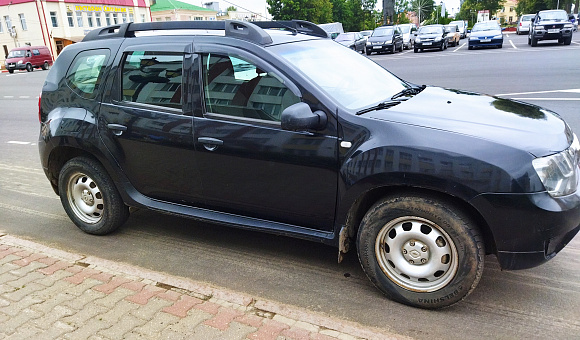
437	38
19	61
472	38
388	41
368	43
568	26
559	172
418	39
541	27
498	36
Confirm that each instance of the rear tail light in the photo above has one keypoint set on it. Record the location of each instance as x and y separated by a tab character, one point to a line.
39	110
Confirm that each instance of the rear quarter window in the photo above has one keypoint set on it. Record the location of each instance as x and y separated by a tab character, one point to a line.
86	72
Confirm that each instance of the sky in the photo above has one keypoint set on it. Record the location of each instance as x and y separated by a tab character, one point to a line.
259	6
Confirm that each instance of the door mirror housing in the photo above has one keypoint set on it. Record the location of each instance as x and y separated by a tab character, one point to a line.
299	117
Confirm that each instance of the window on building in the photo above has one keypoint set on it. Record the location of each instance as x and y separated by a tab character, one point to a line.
108	19
90	19
79	19
511	9
22	21
142	17
1	27
115	19
153	78
69	16
167	18
98	20
131	19
8	22
53	19
198	18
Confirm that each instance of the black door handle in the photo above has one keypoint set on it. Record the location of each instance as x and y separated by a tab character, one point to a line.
210	144
118	129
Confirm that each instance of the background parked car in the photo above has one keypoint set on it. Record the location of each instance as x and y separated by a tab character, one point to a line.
430	36
453	35
366	34
352	40
486	34
408	31
28	58
385	39
524	23
551	25
462	26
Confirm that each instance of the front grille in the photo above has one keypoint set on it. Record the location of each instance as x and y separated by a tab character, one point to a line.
554	26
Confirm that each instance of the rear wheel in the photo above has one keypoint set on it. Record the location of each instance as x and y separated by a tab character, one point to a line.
45	66
420	251
90	198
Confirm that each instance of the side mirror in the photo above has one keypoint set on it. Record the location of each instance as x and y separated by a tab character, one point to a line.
299	117
532	21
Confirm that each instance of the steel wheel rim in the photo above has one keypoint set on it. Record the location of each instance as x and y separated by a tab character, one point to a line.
416	254
85	198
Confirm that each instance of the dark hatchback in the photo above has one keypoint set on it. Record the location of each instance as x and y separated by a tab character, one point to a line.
485	34
256	129
430	37
385	39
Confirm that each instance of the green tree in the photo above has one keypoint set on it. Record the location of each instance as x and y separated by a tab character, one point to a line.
317	11
533	6
355	15
231	8
470	8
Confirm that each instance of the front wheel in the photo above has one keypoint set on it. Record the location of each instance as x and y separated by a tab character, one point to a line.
29	68
90	198
420	251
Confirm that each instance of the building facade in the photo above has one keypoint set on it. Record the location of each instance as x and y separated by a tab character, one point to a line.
173	10
58	23
507	14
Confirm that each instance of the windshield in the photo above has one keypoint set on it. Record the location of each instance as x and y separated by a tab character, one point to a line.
383	32
405	29
458	23
451	28
430	29
554	15
17	54
345	37
527	17
485	26
352	80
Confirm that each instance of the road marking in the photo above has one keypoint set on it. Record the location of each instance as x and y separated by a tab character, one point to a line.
405	52
18	142
562	99
457	49
24	97
8	97
538	92
512	43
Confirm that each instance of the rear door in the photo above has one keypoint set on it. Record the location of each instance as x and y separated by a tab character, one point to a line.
147	125
249	165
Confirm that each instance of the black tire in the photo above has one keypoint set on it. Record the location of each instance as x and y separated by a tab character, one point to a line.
29	68
470	47
45	66
534	42
415	50
369	52
420	251
10	71
499	46
90	198
568	41
393	49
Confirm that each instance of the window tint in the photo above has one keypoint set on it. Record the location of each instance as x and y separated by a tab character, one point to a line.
85	74
153	78
236	87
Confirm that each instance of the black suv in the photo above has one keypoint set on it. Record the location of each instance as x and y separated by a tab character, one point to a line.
550	25
253	127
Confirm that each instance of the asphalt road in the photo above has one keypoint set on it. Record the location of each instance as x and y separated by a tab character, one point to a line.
538	303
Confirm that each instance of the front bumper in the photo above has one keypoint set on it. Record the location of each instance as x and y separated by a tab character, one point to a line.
429	44
379	48
485	42
15	66
529	229
544	34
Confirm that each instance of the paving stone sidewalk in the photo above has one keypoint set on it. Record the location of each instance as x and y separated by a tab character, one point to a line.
47	293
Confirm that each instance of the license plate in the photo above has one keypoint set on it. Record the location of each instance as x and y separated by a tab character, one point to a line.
427	43
485	40
377	47
554	31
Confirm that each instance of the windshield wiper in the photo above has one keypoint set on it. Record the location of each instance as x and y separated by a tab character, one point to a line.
379	106
409	91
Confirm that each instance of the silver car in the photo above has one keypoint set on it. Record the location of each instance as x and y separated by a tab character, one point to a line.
408	31
524	23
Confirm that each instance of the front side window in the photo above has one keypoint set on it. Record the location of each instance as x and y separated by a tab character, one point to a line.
85	75
153	78
235	87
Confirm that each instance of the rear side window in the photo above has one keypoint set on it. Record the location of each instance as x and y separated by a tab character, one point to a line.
86	72
35	52
153	78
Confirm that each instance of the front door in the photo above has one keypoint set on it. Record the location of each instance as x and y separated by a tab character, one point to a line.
249	165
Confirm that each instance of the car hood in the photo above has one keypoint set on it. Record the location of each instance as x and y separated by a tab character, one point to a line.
380	38
428	35
503	121
490	33
346	42
552	22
